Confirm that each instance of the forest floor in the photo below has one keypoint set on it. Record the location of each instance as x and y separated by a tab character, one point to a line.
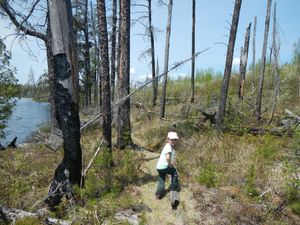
200	205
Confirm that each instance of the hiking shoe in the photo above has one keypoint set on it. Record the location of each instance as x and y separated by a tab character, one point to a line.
158	196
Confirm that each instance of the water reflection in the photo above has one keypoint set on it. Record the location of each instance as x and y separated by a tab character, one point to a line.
26	118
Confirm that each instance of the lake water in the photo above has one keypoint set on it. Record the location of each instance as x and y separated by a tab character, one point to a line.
26	118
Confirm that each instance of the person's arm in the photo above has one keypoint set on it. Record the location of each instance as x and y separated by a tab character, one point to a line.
168	158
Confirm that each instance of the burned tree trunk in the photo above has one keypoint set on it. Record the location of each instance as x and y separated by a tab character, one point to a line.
96	57
276	69
227	71
263	64
253	57
68	172
244	60
166	63
193	51
104	62
87	88
123	114
113	50
154	83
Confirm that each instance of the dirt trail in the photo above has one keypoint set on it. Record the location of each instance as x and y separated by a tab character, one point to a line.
162	212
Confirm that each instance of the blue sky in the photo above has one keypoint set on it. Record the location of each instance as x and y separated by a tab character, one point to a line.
210	28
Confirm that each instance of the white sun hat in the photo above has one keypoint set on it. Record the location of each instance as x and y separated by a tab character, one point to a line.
173	135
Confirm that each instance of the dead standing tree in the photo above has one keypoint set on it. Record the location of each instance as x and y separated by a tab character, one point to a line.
113	50
263	64
227	71
68	172
193	50
244	60
166	61
123	114
253	58
276	66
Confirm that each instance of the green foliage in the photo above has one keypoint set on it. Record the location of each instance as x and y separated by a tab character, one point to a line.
250	182
8	88
106	180
207	175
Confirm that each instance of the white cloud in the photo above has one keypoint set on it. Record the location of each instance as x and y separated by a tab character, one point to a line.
132	71
236	61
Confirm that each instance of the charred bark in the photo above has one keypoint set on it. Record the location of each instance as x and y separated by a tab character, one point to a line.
68	172
113	50
227	71
151	33
105	83
123	114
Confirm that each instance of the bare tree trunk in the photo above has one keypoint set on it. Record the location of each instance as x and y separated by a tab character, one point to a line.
253	57
244	61
154	86
263	64
227	71
193	51
113	50
50	62
123	115
87	57
97	59
276	67
68	172
166	61
105	78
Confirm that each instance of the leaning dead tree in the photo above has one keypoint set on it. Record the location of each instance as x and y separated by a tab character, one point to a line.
244	60
263	64
227	71
68	172
166	61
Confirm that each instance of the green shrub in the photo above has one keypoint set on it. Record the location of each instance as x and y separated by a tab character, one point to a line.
250	182
207	175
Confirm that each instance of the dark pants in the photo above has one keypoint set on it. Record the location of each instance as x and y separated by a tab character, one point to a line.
162	178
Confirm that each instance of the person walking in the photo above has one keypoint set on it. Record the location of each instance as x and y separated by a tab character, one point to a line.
165	166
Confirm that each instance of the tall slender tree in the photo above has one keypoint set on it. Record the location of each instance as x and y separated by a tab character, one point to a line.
193	50
151	34
96	60
113	49
123	114
105	78
244	61
68	172
276	66
228	65
166	61
263	63
253	57
87	56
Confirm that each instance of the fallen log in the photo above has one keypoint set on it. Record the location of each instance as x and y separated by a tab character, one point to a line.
11	215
